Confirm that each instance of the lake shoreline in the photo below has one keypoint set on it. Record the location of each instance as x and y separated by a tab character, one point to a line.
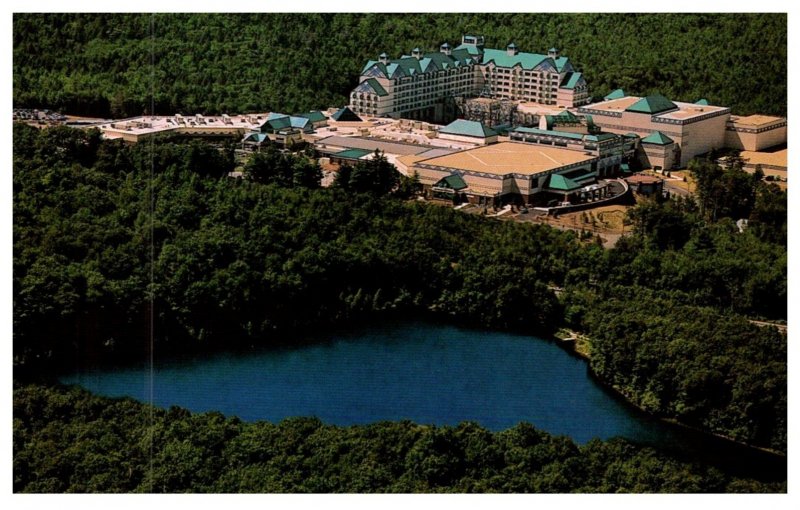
570	344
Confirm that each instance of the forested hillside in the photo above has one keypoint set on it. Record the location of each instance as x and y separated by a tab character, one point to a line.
113	64
66	440
237	261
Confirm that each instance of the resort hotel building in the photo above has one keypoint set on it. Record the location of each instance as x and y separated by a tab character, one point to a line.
419	85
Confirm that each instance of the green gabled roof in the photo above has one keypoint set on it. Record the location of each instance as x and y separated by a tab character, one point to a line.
376	86
501	58
352	153
315	116
273	116
565	117
702	102
570	80
468	128
469	48
658	138
561	183
255	137
452	181
562	134
615	94
371	63
652	105
462	56
601	137
346	115
631	135
561	62
408	65
279	123
303	123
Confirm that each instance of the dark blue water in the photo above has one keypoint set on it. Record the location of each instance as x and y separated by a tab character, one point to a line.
428	374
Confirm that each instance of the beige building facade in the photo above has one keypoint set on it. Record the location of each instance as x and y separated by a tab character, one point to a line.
506	172
418	85
755	132
695	129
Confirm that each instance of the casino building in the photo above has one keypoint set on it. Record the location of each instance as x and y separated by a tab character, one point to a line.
510	172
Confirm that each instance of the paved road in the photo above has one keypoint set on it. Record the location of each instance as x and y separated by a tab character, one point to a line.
781	327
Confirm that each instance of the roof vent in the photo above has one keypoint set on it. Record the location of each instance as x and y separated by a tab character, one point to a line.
416	53
511	49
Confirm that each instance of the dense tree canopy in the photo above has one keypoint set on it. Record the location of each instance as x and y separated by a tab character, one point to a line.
237	260
66	440
115	64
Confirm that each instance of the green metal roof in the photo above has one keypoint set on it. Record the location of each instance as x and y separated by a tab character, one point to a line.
658	138
561	183
616	94
255	137
652	105
301	123
501	58
315	116
452	181
562	134
580	176
703	102
352	153
469	48
565	117
377	87
409	66
561	63
631	135
468	128
346	115
570	80
601	137
277	122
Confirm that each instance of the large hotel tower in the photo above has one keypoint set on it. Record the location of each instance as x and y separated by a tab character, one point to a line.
417	86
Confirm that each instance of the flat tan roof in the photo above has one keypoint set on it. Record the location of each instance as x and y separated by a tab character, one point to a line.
689	110
541	109
684	111
160	123
615	105
777	158
510	157
755	120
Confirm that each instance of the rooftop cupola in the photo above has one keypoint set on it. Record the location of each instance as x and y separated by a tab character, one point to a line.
445	48
475	40
384	58
416	53
511	49
553	52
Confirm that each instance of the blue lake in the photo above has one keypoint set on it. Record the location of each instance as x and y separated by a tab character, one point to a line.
426	373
